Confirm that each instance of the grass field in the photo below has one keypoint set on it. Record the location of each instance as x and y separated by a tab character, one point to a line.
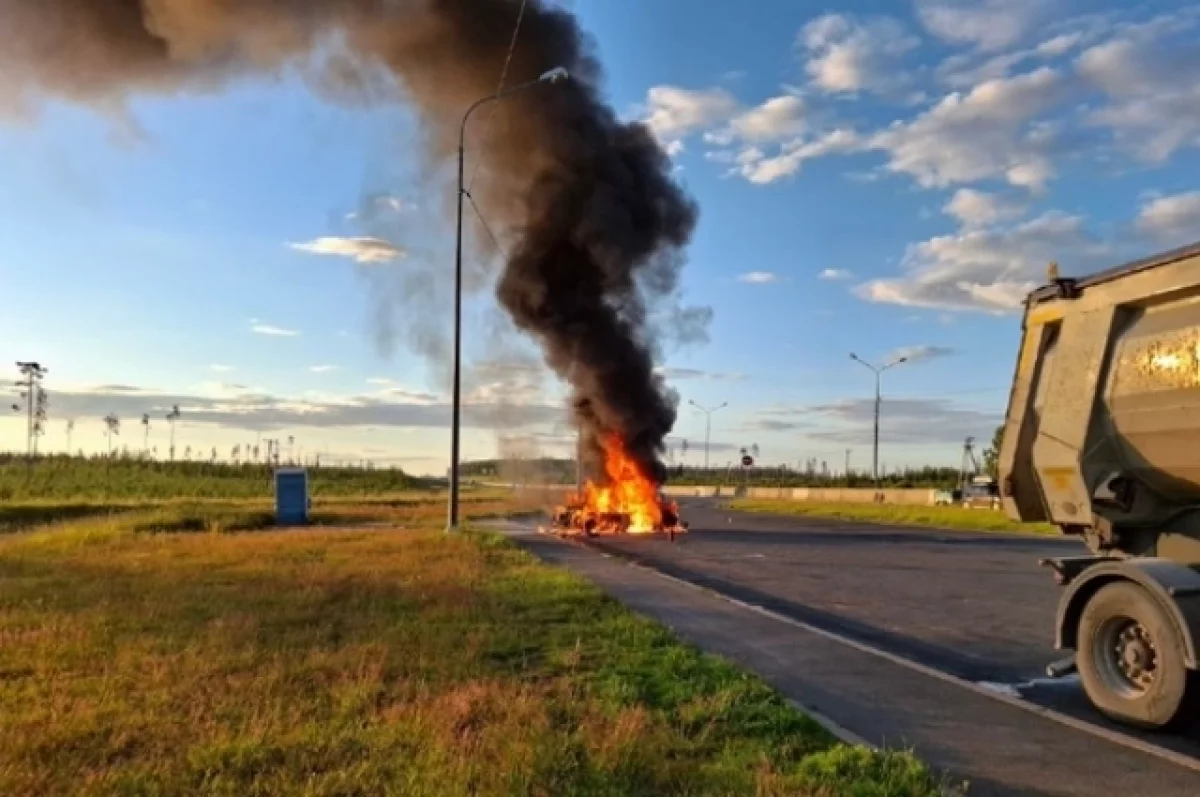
191	514
62	478
170	650
946	517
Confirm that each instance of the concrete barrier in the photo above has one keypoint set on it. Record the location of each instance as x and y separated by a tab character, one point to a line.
833	495
685	491
836	495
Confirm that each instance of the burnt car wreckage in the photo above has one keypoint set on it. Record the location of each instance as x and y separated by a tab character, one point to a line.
578	520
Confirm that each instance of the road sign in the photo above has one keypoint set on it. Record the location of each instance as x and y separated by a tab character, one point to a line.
747	461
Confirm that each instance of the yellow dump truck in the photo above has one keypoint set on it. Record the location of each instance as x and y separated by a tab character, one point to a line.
1102	438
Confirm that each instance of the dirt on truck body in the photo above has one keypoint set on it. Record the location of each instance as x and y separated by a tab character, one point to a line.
1102	438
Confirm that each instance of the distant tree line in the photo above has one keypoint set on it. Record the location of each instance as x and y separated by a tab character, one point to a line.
811	474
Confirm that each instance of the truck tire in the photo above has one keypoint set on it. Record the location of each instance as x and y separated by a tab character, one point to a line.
1130	659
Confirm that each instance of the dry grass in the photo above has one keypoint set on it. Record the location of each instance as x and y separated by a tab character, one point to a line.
397	508
945	517
138	659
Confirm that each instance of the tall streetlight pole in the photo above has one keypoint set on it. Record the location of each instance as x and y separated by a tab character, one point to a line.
553	76
708	413
878	370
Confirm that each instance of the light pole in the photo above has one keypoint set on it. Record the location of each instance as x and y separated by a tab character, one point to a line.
878	370
553	76
708	412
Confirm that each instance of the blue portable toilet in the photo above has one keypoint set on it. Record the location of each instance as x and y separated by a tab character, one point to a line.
291	496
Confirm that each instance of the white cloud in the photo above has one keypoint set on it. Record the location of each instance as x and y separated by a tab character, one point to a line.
762	144
503	383
847	55
220	368
916	354
219	390
1032	175
1174	219
980	209
1059	45
674	113
676	374
985	133
777	118
766	143
1150	76
987	24
835	274
322	369
967	69
362	250
986	269
758	277
243	407
918	421
273	331
380	381
757	168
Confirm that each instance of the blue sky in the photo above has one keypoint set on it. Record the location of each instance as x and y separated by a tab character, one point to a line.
884	178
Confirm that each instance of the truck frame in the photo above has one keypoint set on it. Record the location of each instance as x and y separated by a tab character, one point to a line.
1102	438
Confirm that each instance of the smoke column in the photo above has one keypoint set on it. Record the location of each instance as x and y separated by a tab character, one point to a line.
598	224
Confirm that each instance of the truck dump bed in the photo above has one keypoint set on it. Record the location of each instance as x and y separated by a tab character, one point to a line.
1102	433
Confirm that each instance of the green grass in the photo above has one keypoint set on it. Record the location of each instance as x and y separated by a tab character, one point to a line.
79	479
167	651
945	517
191	514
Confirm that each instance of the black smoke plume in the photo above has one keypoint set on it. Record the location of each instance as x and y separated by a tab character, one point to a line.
597	221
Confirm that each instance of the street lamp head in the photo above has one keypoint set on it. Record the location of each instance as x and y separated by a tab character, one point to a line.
853	356
555	75
902	360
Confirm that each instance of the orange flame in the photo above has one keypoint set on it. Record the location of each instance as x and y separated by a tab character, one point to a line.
629	490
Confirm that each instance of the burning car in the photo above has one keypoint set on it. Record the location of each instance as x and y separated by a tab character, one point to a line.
628	503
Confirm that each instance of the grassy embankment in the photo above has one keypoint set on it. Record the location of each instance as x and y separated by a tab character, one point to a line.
944	517
138	656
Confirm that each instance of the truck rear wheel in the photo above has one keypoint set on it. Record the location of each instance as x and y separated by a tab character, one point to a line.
1130	659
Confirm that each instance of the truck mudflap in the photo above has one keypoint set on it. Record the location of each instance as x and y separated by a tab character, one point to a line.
1174	585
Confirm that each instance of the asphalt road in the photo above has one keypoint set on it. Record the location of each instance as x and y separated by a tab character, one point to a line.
974	605
998	745
977	605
